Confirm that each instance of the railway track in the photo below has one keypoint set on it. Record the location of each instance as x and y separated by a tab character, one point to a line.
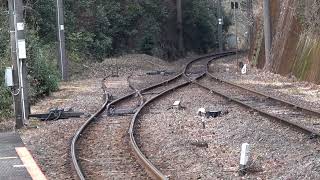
302	118
197	72
154	92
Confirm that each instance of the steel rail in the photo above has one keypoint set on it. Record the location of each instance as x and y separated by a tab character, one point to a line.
182	73
75	138
305	129
312	132
106	106
303	108
150	168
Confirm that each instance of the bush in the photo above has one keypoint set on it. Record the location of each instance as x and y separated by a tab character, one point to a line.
5	98
43	74
200	25
98	29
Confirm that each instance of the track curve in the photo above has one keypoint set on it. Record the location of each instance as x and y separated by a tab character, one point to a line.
150	168
268	101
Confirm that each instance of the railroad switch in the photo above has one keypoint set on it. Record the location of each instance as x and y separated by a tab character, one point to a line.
313	136
113	97
213	114
161	72
121	112
56	114
208	114
200	144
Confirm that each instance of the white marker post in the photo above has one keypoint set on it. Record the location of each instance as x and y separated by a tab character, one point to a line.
244	70
202	113
245	154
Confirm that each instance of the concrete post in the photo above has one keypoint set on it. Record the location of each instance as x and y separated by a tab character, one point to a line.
22	55
15	64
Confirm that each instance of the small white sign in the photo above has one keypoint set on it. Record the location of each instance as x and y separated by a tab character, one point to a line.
20	26
61	27
8	78
22	49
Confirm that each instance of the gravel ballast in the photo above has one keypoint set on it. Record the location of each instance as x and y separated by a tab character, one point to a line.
174	140
287	88
49	143
177	144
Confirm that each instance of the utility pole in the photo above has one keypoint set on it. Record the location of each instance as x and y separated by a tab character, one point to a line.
62	60
180	27
267	33
220	24
250	24
22	55
235	6
15	64
18	55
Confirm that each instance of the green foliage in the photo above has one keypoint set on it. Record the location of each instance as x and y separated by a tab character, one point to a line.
79	42
4	35
200	25
43	75
5	98
98	29
41	17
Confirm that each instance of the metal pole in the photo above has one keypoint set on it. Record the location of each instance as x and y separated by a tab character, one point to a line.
220	24
15	64
21	58
236	24
62	60
180	27
267	33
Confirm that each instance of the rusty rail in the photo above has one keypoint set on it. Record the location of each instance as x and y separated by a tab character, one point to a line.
312	132
150	168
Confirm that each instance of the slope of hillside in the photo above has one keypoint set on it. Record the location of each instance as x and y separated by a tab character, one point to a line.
295	48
